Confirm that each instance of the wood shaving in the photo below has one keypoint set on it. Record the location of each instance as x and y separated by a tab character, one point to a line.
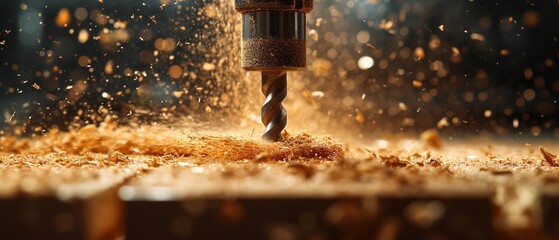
161	142
431	138
549	157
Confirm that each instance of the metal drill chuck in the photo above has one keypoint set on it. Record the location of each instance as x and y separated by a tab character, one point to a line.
273	42
273	34
284	5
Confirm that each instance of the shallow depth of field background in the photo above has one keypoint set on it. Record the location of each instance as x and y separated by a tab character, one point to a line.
465	67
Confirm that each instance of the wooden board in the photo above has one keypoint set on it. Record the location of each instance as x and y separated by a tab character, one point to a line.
68	185
55	196
360	200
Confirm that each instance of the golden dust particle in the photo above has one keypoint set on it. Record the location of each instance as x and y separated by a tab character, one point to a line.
210	10
313	35
455	59
441	27
504	52
442	123
515	123
317	94
178	94
175	71
436	65
347	101
373	2
159	44
528	73
383	64
531	18
363	37
109	68
165	45
129	73
417	83
208	109
84	61
487	113
23	6
419	53
549	63
144	91
36	86
83	36
510	19
455	51
536	131
120	24
478	37
529	94
386	25
319	22
208	66
360	118
321	67
101	1
106	95
80	13
365	62
434	43
402	106
2	42
431	138
63	18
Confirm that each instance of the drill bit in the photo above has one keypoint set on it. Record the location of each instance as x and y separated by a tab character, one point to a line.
273	114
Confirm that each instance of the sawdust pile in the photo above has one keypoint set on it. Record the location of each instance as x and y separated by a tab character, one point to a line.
159	141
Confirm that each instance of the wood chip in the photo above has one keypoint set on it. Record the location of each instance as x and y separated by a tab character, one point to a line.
431	138
549	157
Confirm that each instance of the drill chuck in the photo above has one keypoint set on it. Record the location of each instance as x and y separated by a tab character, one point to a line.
273	34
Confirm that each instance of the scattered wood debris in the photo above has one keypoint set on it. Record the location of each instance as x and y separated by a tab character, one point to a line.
434	163
431	138
549	157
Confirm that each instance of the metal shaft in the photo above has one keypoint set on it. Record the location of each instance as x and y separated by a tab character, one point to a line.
274	116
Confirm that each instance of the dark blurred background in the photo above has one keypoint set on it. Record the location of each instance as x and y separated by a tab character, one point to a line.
75	62
462	66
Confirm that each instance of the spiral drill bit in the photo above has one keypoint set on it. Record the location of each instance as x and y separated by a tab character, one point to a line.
273	43
274	116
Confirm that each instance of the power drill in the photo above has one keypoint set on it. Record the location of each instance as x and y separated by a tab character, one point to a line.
273	42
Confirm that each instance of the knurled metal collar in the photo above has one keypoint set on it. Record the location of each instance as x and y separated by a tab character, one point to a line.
258	5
